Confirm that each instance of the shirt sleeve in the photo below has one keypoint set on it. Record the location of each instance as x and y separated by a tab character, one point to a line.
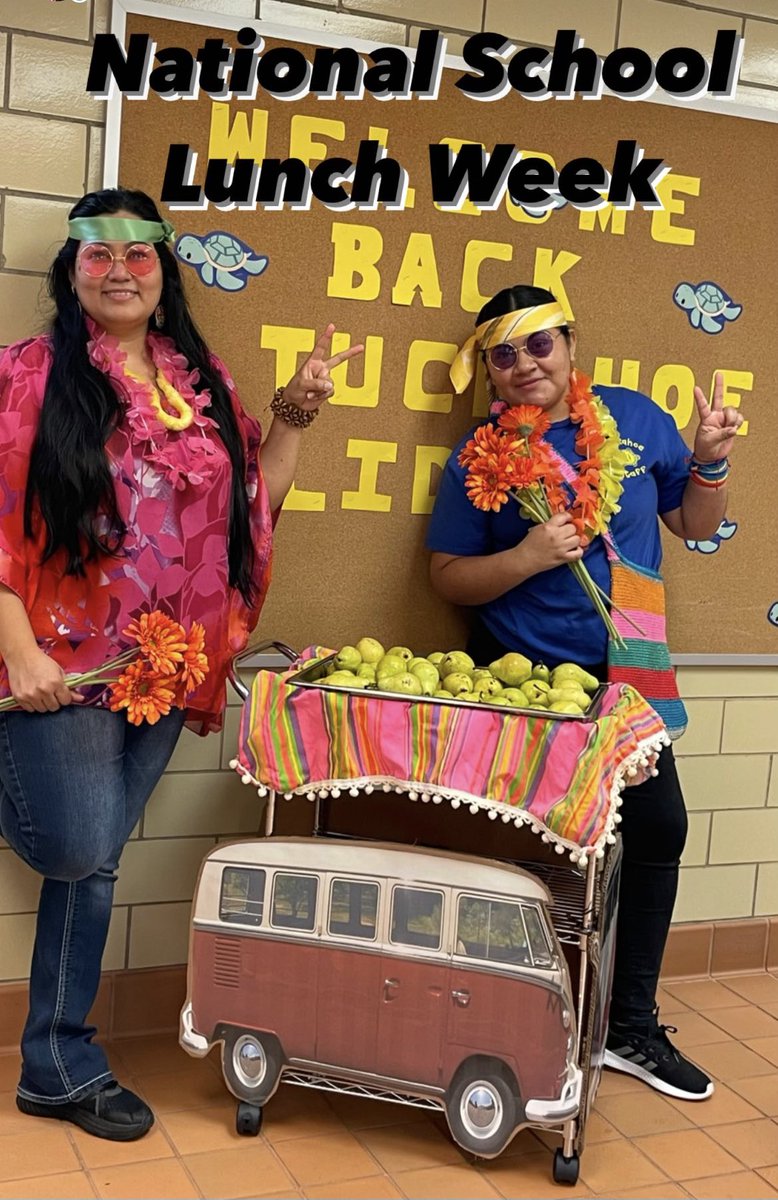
24	369
456	525
671	469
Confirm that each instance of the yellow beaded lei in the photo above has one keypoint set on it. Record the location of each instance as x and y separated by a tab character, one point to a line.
172	397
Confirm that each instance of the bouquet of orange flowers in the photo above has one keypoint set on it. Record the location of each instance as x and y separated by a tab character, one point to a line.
153	676
513	460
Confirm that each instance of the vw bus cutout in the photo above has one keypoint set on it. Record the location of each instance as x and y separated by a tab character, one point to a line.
404	974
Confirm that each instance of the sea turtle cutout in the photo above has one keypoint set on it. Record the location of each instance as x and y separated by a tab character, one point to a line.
707	305
220	259
772	613
726	530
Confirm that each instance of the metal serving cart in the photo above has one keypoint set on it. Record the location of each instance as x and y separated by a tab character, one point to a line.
584	913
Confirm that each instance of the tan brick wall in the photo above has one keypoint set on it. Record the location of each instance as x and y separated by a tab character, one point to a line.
51	145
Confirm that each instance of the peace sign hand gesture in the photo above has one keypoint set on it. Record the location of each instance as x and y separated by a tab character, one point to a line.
718	425
312	384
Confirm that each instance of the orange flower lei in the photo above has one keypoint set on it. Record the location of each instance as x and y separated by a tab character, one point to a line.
515	459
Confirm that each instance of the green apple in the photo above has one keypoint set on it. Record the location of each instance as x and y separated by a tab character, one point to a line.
443	694
487	687
390	664
428	676
456	661
402	682
512	669
348	658
457	682
366	671
436	658
371	650
402	652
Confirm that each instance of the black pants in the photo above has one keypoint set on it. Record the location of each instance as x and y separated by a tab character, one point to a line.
653	831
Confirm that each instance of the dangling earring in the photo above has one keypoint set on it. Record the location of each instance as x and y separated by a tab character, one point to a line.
159	316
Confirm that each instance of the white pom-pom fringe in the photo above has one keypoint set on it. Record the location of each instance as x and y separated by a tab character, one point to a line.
234	764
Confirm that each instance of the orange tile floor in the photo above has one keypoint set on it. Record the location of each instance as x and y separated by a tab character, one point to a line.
311	1145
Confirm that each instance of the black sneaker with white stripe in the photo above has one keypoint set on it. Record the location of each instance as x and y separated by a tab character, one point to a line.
650	1055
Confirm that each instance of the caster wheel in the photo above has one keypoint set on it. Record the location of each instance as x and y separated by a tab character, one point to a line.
566	1169
248	1119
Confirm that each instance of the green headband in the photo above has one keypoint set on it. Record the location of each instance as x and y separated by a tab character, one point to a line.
119	229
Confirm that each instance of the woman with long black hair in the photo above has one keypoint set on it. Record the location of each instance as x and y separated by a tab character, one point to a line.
131	482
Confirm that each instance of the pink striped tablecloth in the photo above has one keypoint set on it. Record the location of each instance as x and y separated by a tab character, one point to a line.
564	778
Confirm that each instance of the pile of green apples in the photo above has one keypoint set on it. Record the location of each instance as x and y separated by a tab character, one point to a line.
512	681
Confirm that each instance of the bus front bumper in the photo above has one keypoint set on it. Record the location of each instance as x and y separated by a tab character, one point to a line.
551	1112
193	1043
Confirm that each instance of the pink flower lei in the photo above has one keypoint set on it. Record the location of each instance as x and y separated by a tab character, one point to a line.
186	457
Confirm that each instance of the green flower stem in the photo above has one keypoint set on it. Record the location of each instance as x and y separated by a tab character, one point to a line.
540	512
108	673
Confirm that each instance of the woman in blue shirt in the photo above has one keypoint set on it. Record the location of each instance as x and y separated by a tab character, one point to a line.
515	574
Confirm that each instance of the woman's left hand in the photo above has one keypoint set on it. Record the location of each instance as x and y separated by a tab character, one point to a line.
718	425
312	384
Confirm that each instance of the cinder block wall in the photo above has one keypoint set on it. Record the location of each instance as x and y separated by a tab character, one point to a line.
51	148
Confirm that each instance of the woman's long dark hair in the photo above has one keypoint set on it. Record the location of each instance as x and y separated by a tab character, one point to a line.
523	295
69	474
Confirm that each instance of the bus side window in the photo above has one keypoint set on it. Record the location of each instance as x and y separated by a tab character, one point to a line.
294	901
242	895
541	951
353	908
492	929
417	917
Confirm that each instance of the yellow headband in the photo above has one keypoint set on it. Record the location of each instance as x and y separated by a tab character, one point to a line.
519	323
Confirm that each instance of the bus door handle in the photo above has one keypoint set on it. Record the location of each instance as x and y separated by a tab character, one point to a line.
389	986
462	998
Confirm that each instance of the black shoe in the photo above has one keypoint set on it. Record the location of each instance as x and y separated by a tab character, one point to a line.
650	1055
113	1112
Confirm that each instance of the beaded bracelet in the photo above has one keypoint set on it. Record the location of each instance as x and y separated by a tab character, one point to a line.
291	414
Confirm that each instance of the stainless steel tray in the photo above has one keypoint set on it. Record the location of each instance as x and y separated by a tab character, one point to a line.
304	679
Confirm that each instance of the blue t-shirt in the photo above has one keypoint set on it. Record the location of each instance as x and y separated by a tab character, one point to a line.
549	615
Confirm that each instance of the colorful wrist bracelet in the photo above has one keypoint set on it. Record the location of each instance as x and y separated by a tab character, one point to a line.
292	414
708	483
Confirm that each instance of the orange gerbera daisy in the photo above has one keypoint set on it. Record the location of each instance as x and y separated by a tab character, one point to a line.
489	481
145	695
528	420
194	668
485	441
162	641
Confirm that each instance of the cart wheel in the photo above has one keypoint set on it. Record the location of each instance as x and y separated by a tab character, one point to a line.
248	1119
566	1169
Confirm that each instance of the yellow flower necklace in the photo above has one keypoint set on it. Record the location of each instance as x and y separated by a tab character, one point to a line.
172	397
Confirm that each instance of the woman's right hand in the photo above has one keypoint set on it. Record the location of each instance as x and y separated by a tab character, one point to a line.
550	544
37	683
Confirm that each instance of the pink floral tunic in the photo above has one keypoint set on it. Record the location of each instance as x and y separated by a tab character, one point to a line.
173	494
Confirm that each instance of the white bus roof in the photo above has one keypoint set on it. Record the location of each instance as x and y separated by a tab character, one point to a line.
412	864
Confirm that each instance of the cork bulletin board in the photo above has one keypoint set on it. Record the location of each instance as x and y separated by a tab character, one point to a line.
350	559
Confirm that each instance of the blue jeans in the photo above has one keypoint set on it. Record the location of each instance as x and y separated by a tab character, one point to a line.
73	785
